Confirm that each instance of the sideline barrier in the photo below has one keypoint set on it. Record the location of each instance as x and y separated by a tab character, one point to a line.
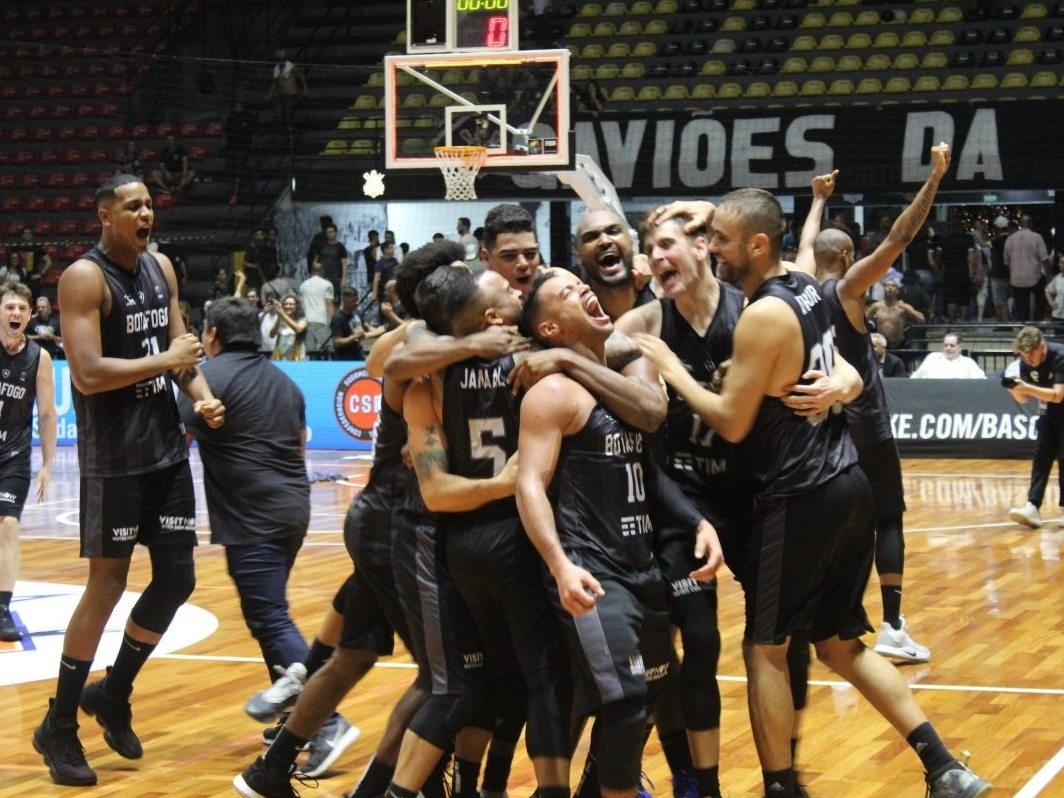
930	418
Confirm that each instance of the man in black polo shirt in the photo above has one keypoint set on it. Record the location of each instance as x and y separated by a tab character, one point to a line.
348	329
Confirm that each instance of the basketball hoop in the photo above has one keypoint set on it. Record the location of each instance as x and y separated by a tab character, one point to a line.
460	166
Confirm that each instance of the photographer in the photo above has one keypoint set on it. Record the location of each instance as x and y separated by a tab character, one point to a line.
1042	378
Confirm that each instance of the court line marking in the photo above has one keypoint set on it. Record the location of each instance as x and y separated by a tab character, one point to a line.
1041	779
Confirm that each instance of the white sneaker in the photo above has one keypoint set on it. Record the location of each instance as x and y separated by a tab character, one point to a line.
267	704
332	739
896	644
1027	515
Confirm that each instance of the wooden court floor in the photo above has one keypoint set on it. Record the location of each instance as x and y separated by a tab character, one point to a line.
985	595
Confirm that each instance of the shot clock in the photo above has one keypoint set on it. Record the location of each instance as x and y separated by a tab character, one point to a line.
461	26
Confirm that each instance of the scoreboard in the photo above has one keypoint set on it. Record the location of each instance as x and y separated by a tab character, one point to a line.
461	26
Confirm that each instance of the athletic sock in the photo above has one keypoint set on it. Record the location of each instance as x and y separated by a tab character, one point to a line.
931	750
131	657
283	750
374	780
395	791
891	605
317	656
677	751
496	772
779	783
466	777
708	780
5	598
73	674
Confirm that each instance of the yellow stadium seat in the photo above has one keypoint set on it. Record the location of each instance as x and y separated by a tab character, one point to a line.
785	88
336	147
926	83
424	121
645	50
936	59
984	80
714	67
619	50
869	86
703	91
812	88
656	27
641	8
949	15
757	90
651	93
452	77
906	61
847	2
841	86
630	28
723	46
858	41
1034	11
403	122
803	44
729	91
615	9
1013	80
840	19
579	30
590	10
364	102
1028	33
744	5
887	40
921	16
913	38
877	62
593	51
732	24
412	146
440	101
793	65
376	80
363	147
1021	56
604	30
1044	80
849	63
622	94
350	123
581	72
897	85
666	7
633	70
822	63
813	19
675	92
942	38
832	41
414	100
607	71
955	82
866	18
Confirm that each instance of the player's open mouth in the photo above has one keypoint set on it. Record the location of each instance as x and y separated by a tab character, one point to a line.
594	309
144	233
666	276
15	325
609	261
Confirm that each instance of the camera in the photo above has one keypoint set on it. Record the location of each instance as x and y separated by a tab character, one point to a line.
1009	382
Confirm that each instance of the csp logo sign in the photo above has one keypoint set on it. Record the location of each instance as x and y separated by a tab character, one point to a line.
357	403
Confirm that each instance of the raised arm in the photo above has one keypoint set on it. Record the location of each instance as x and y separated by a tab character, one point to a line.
425	353
823	187
46	422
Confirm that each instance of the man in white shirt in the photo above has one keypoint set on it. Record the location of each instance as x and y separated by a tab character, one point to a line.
319	304
949	363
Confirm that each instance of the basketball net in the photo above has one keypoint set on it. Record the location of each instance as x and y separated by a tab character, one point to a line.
460	166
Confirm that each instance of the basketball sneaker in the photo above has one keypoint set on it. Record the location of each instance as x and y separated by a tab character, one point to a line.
684	785
259	781
62	752
896	644
958	782
332	739
115	715
9	633
1027	515
267	704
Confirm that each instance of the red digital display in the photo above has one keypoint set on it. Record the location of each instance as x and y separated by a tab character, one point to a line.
482	24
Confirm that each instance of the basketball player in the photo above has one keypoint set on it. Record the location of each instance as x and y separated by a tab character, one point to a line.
125	341
812	533
25	378
606	253
580	458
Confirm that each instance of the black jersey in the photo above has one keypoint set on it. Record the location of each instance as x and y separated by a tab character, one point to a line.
867	415
18	391
481	420
135	429
387	480
1048	373
698	459
791	454
599	496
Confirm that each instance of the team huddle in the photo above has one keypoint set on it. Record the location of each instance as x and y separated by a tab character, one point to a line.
565	513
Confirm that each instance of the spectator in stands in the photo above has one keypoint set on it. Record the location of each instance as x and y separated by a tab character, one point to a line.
271	265
251	296
979	257
180	266
15	270
348	330
467	239
389	238
268	319
371	254
44	328
290	329
590	99
173	173
1025	255
226	284
998	279
332	255
130	162
890	365
949	363
892	316
438	237
288	81
1055	289
386	267
253	253
239	136
1041	378
34	256
543	24
925	256
317	240
319	305
392	311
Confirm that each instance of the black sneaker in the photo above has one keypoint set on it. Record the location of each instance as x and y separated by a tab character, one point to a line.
63	754
115	715
259	781
9	633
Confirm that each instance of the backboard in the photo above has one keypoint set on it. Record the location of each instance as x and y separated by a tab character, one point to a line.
514	103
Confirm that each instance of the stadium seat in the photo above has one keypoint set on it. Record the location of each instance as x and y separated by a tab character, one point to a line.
641	8
615	9
630	28
1013	80
822	63
794	65
56	180
607	71
622	94
984	81
594	51
581	72
1028	33
813	19
67	227
862	41
579	30
998	35
645	50
656	27
723	46
43	227
757	90
666	7
1049	55
604	30
361	147
905	62
619	50
926	83
733	24
1043	80
911	40
869	86
949	15
335	147
832	41
812	88
713	67
729	91
677	91
955	82
942	38
785	88
11	204
1020	57
633	70
877	62
840	19
936	59
921	16
590	10
1034	11
841	86
803	44
897	85
648	94
703	91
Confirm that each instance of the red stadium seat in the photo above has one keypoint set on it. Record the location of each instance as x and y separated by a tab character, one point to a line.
30	180
49	71
11	204
57	180
18	134
42	134
81	178
32	90
90	227
166	129
79	90
37	112
162	201
7	180
44	227
73	251
25	156
99	155
56	90
5	156
95	70
140	131
89	132
115	132
61	111
85	202
110	109
190	129
66	133
86	110
9	91
215	128
49	156
15	227
14	111
197	152
36	203
62	203
103	89
74	155
66	227
105	31
73	70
